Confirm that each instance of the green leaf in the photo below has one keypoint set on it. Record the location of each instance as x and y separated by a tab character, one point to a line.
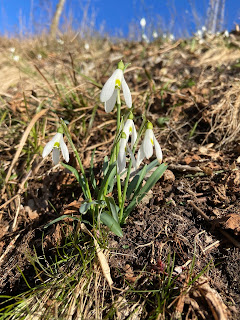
87	205
136	181
72	169
105	165
111	223
63	217
92	177
108	177
138	196
79	178
113	208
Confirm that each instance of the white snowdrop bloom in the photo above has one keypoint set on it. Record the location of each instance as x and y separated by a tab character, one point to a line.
55	145
128	130
109	91
143	23
12	49
145	38
226	34
39	56
60	41
155	34
16	58
146	148
171	37
86	46
204	29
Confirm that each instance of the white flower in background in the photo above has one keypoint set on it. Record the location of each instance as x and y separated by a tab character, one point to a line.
204	29
55	145
143	23
128	130
16	58
39	56
114	83
226	34
60	41
12	49
171	37
146	148
145	38
155	34
86	46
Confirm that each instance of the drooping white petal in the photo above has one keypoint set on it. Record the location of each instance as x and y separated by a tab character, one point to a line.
49	146
148	143
121	160
134	162
64	150
127	128
134	135
110	103
108	88
126	93
55	155
158	149
140	156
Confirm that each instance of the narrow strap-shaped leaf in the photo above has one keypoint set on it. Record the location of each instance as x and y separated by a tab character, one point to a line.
136	181
113	208
79	178
111	223
109	175
63	217
156	175
87	205
92	177
105	166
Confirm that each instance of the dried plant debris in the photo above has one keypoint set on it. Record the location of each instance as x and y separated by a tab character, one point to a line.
179	247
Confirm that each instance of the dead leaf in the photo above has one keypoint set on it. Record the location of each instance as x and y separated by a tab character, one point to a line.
213	299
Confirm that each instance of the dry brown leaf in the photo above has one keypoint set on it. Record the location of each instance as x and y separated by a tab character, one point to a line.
213	299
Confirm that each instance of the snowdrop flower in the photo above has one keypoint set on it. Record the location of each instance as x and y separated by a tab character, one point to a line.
146	148
110	89
60	41
143	23
15	58
55	145
12	49
226	34
39	56
155	34
128	130
86	46
171	37
145	38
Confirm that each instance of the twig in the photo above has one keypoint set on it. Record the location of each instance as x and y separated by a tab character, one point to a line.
184	168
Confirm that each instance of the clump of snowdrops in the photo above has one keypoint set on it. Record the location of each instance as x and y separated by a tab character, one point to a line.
122	168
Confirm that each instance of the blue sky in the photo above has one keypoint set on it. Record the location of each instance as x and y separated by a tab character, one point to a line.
113	17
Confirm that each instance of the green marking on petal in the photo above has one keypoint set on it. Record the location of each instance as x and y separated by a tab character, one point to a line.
152	141
56	145
130	129
117	83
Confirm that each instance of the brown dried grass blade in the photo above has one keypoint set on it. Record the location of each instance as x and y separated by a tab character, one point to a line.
101	256
21	144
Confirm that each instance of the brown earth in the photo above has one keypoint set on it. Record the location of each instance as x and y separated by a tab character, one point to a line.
192	95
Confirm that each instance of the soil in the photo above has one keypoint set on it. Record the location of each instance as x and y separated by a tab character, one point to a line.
191	215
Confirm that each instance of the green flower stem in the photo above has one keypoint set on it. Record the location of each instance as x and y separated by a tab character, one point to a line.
117	147
129	171
67	133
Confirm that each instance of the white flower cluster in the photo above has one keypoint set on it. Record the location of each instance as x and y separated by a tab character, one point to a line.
109	97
